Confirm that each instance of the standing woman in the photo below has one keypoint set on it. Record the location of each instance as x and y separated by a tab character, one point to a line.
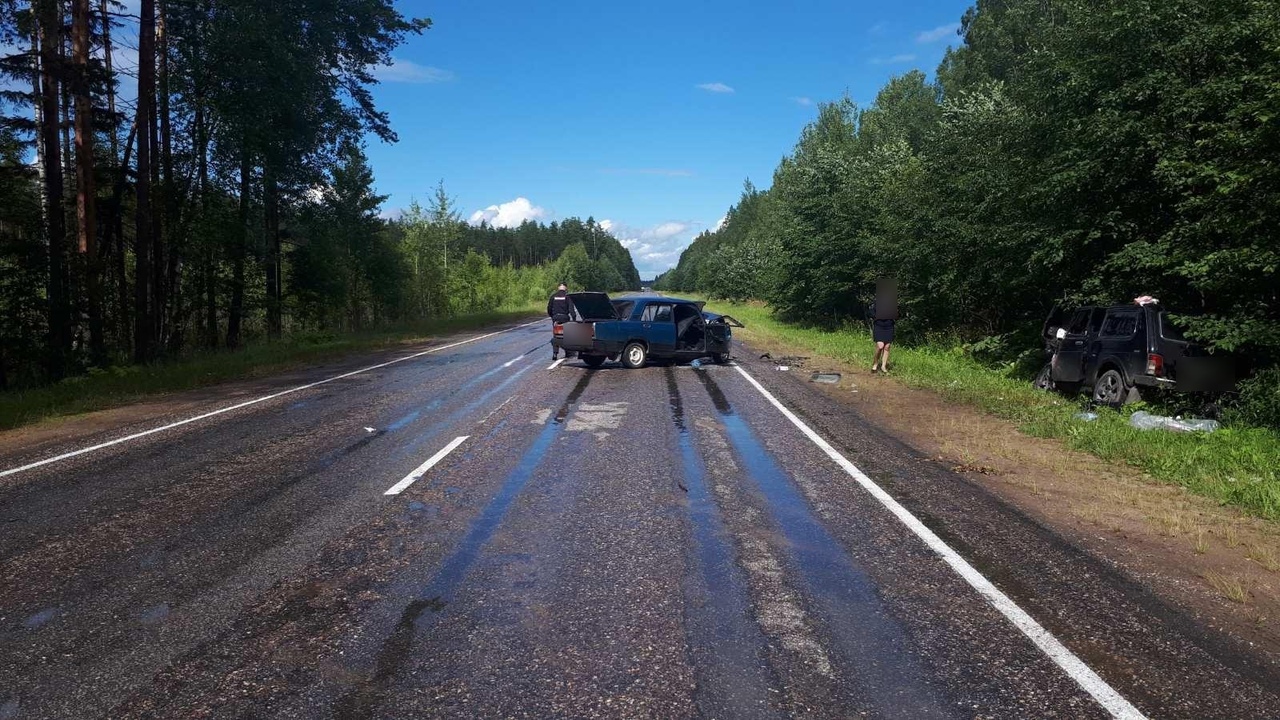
883	324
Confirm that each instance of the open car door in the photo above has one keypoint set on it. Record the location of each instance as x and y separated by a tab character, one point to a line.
718	332
713	319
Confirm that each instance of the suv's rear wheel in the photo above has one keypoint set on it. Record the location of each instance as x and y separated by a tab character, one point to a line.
1111	389
593	361
720	358
635	355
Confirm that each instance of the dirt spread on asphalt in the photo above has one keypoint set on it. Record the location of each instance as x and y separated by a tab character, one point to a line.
1214	562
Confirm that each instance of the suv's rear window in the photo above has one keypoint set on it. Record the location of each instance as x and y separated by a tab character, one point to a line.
1169	330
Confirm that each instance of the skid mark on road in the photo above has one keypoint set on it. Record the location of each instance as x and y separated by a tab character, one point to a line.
363	700
727	646
1084	676
875	653
461	413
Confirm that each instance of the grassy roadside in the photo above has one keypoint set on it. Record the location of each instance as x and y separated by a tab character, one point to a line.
1235	466
124	385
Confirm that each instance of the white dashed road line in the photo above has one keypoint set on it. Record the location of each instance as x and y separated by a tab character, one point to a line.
1085	677
557	363
188	421
422	469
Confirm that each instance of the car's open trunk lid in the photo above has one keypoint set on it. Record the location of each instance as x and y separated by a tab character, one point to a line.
591	306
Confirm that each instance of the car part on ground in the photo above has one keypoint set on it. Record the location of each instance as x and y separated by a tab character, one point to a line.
1143	420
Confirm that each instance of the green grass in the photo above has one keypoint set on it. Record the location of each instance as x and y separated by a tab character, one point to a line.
123	385
1235	465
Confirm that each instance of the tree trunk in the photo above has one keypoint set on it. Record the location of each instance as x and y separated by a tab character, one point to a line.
271	212
36	92
173	320
86	211
108	62
236	314
209	247
59	350
113	241
145	242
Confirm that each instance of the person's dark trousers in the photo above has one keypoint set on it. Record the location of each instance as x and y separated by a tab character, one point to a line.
555	342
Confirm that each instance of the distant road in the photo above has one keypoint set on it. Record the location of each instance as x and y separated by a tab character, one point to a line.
467	532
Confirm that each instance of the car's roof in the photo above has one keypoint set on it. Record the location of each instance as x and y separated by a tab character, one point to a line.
659	298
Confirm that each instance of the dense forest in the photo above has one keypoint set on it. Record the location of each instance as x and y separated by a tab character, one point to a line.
1065	151
228	199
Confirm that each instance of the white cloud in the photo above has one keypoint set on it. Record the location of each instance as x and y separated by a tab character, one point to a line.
720	223
803	101
655	248
407	71
509	214
939	33
669	229
715	87
895	60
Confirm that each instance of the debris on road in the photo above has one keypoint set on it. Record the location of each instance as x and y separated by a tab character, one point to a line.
825	378
968	467
1143	420
784	368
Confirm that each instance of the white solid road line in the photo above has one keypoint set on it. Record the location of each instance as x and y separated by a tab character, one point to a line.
1085	677
170	426
422	469
557	363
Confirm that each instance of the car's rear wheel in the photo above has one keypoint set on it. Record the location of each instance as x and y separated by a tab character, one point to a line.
635	355
1111	389
720	358
593	361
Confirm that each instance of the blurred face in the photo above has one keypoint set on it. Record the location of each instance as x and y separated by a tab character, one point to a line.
563	286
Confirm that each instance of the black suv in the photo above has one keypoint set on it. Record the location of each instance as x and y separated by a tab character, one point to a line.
1115	351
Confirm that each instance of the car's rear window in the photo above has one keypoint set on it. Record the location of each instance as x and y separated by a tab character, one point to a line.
1169	329
623	308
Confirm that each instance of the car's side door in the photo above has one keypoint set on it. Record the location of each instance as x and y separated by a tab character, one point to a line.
658	322
1067	365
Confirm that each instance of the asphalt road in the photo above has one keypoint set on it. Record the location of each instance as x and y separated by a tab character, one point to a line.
662	543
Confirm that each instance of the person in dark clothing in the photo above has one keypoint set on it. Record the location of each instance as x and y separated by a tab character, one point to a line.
558	311
882	332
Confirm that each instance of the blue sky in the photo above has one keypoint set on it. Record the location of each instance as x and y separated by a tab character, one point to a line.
648	116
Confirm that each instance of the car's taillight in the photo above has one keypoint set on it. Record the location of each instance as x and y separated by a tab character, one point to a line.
1155	365
557	329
